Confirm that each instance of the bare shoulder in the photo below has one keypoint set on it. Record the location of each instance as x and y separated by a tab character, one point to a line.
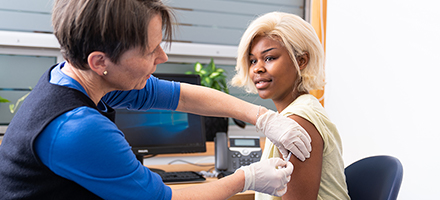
306	176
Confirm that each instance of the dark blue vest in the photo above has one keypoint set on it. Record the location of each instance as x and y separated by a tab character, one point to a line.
22	174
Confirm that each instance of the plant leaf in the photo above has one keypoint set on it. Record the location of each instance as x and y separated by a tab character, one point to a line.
203	72
211	76
198	67
203	82
13	108
214	75
225	86
3	100
216	86
226	90
208	81
220	77
212	65
223	83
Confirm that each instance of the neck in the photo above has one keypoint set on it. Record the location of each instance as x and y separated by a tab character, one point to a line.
282	104
89	80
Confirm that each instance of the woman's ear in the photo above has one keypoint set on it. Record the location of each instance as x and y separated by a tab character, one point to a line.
303	60
97	62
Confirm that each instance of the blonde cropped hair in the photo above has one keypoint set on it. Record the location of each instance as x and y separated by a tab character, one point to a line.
297	36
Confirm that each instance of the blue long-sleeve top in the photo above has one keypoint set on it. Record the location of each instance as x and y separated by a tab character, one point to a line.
86	147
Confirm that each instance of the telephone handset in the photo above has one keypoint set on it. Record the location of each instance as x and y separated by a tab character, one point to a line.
243	150
221	151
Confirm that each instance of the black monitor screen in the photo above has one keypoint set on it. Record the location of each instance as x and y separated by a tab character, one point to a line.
163	131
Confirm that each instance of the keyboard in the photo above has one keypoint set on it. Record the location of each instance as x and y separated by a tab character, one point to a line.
181	177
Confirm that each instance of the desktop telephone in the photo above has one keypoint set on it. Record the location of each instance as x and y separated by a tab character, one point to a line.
243	150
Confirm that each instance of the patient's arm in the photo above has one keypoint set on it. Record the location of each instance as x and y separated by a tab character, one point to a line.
306	176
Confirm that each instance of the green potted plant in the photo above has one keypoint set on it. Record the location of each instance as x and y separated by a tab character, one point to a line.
14	107
213	77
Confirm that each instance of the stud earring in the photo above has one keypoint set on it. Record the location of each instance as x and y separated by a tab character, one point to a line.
105	72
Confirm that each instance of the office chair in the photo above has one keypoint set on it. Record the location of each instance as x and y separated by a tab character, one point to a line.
374	178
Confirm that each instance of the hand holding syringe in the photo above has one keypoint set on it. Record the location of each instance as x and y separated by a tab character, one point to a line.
288	156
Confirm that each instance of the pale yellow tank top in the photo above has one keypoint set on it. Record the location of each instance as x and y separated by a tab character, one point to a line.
333	185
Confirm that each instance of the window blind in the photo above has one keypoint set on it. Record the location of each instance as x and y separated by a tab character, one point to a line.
204	29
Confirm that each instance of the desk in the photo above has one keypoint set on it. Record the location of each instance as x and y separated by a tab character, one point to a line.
248	195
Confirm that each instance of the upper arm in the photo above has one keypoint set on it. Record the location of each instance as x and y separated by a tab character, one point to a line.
206	101
84	146
157	93
306	176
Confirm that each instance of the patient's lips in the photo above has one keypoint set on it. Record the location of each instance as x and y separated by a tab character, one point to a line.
262	83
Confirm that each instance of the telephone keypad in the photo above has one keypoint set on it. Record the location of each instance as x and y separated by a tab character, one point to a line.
239	160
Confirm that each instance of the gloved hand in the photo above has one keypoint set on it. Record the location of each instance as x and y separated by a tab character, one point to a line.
268	176
286	134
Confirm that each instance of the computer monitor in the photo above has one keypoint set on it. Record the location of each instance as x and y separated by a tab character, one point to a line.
163	131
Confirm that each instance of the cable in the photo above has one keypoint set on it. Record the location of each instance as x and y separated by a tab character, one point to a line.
184	161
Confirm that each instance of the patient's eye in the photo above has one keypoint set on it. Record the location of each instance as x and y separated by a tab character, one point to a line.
269	58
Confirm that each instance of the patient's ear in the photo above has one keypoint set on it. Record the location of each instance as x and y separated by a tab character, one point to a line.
97	62
303	60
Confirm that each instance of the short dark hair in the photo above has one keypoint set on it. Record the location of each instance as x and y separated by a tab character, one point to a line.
109	26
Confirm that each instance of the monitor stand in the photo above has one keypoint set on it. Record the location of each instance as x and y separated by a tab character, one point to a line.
141	159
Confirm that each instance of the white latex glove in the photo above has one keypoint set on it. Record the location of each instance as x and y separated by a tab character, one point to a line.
286	134
268	176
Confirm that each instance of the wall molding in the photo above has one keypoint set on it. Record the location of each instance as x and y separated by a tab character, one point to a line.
44	44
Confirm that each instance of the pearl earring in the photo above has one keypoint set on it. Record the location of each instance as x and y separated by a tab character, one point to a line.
105	72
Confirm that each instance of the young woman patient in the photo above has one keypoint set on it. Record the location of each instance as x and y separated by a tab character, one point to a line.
281	58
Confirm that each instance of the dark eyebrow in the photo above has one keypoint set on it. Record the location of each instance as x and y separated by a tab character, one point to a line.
265	51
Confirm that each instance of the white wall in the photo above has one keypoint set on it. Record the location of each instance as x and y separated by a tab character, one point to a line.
383	85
